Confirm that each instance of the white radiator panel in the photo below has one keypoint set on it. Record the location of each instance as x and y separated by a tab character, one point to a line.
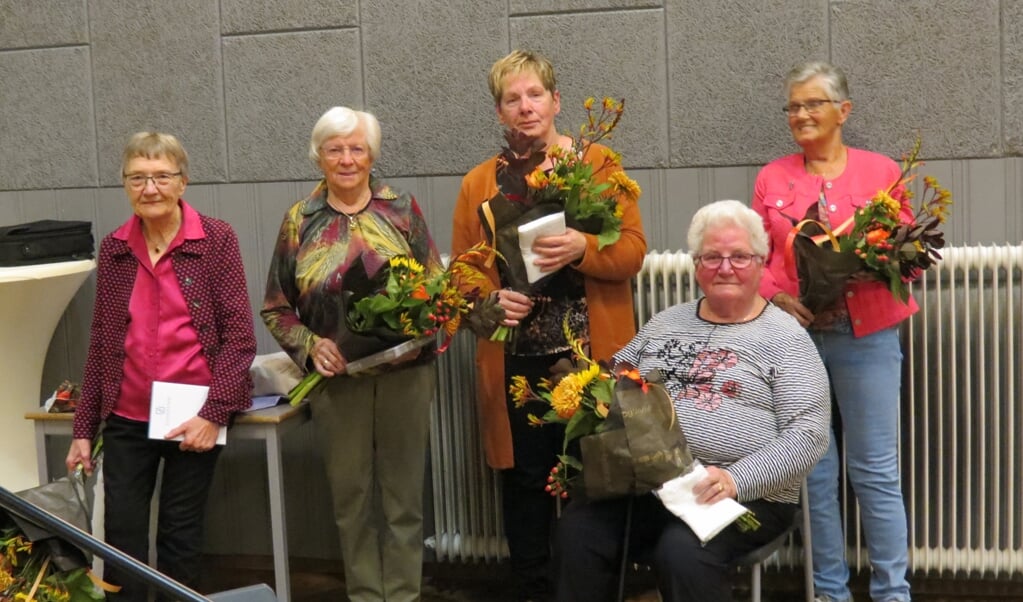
962	426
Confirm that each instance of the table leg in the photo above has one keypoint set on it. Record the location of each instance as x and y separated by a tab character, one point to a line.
278	519
41	464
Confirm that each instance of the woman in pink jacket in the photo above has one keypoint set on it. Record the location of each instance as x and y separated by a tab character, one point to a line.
857	335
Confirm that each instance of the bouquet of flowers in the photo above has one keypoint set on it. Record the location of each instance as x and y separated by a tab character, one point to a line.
588	194
27	572
36	565
877	242
625	452
402	307
628	437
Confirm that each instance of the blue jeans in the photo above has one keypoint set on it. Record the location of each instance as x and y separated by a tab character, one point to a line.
866	375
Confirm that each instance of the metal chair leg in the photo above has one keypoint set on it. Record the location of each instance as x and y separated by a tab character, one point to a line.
755	585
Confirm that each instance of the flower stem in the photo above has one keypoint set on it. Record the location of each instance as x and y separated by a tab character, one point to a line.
747	522
304	387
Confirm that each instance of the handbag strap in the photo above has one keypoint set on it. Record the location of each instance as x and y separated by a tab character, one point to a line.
819	240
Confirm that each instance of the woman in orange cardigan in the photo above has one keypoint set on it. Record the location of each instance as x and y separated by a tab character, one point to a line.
591	287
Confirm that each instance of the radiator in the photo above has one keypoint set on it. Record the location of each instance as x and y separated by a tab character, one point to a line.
962	425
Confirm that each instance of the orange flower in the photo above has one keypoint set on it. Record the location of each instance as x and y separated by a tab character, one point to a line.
537	179
420	293
877	235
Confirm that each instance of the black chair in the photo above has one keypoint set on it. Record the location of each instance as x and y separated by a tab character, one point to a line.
755	559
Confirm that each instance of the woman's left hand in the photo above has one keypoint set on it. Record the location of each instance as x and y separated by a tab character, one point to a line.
555	252
200	434
717	486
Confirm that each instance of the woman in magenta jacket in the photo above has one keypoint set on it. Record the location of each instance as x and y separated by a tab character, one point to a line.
857	336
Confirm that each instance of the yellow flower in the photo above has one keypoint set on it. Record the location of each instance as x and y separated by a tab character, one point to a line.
624	185
611	158
890	205
520	391
567	396
406	262
534	421
588	104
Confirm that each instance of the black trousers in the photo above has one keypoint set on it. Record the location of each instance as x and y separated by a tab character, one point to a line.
130	463
590	546
527	508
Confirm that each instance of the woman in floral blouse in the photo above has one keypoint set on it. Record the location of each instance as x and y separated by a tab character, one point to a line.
373	428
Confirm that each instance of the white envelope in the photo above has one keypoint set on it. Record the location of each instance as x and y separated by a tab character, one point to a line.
548	225
706	520
173	403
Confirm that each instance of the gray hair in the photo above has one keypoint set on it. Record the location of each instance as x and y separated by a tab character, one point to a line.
831	76
155	145
342	121
728	213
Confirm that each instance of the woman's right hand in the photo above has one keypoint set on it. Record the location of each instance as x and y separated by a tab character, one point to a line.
792	306
516	306
327	358
80	453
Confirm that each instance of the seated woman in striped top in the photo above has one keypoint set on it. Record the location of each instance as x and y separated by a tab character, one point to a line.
751	395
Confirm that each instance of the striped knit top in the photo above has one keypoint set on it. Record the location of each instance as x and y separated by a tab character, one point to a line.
751	397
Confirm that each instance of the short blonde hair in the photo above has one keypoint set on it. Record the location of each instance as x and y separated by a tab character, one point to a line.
342	121
727	213
155	145
517	62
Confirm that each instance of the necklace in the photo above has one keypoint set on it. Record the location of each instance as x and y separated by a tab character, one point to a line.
353	210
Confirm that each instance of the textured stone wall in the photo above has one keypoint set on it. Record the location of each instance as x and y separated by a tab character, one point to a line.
242	81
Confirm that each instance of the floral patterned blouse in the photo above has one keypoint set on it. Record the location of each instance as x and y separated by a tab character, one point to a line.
316	246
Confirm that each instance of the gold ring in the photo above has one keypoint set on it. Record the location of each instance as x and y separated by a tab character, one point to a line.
721	487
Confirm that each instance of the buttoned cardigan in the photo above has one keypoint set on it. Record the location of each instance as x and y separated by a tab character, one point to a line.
782	194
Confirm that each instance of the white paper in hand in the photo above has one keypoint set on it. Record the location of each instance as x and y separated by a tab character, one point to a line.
706	520
548	225
174	403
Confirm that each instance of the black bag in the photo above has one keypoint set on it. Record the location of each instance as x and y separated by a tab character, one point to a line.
45	241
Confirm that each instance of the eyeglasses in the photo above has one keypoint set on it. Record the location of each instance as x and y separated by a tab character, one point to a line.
161	180
812	106
335	153
738	261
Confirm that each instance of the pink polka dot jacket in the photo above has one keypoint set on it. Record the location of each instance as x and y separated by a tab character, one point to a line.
212	280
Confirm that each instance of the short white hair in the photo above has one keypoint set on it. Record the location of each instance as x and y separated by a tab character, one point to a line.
342	121
727	213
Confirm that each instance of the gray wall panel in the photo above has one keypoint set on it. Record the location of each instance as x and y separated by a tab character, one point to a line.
633	68
426	82
247	16
518	7
897	53
277	86
25	24
1012	76
157	65
727	61
46	119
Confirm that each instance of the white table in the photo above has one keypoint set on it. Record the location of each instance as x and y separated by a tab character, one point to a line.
32	300
266	425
